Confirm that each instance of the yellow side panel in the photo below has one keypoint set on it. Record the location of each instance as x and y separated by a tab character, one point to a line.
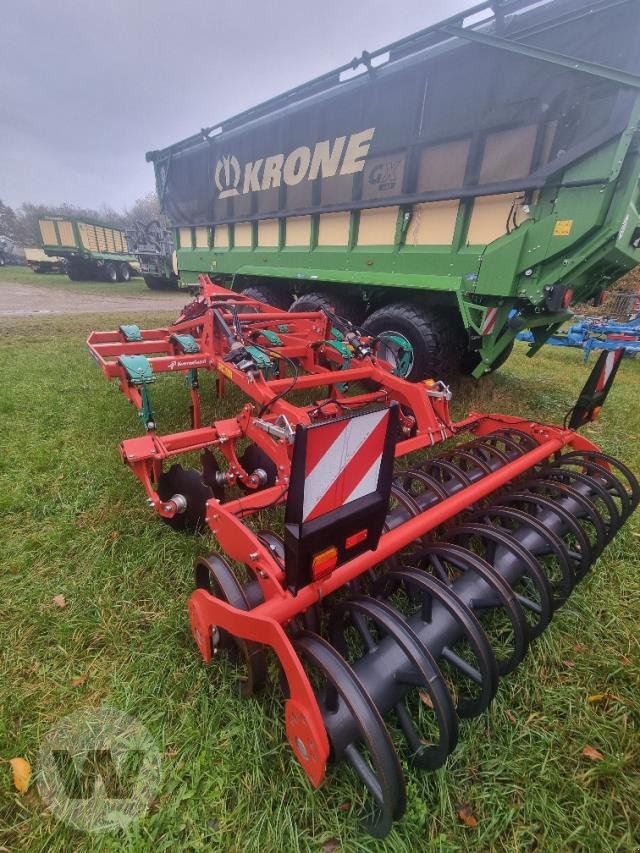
298	231
489	218
65	229
433	223
88	236
185	238
110	239
48	232
221	237
508	154
119	241
269	233
101	238
242	235
378	226
334	229
202	237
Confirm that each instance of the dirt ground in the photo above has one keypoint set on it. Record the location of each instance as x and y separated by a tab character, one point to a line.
23	300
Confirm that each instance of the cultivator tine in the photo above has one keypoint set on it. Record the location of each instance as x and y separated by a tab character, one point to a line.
394	595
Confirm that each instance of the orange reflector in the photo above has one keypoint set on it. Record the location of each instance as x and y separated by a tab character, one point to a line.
324	562
355	538
595	413
568	296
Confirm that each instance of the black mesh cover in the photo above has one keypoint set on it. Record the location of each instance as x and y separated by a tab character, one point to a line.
436	121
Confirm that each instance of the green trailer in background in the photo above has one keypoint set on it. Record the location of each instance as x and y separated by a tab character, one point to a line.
91	250
446	191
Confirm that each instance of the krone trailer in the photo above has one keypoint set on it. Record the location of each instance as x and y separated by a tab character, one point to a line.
444	192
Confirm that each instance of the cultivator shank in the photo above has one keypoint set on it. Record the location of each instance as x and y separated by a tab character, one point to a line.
402	584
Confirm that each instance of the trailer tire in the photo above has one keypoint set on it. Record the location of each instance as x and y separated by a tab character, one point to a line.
432	332
471	359
73	271
348	309
124	272
111	273
274	296
155	282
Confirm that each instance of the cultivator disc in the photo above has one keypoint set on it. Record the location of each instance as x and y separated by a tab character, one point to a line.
400	588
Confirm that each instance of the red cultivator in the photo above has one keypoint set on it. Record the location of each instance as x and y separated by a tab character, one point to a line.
402	586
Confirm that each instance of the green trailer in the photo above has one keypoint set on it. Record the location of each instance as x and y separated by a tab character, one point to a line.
91	250
450	190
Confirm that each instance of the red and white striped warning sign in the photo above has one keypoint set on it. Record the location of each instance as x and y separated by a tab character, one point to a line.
489	321
611	360
343	462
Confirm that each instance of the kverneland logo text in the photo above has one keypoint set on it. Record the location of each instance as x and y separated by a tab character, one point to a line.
340	156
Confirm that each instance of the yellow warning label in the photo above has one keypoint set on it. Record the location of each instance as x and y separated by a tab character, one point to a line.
563	227
224	369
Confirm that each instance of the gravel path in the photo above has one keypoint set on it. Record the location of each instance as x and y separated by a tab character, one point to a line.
24	300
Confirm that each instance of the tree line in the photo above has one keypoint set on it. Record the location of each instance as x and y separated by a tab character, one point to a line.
20	226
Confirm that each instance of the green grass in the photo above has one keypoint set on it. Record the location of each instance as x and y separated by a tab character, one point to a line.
74	522
134	287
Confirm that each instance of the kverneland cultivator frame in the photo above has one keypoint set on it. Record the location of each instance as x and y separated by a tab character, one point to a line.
398	576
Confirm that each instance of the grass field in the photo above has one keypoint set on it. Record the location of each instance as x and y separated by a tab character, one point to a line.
25	275
74	523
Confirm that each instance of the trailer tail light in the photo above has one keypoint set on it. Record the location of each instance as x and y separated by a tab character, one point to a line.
355	539
324	562
567	298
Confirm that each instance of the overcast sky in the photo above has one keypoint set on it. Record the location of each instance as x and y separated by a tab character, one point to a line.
87	88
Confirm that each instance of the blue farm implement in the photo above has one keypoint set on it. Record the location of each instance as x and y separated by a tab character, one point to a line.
590	334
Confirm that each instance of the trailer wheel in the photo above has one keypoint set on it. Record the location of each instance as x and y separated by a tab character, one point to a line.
124	273
111	272
433	334
275	296
471	359
155	282
348	309
73	271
